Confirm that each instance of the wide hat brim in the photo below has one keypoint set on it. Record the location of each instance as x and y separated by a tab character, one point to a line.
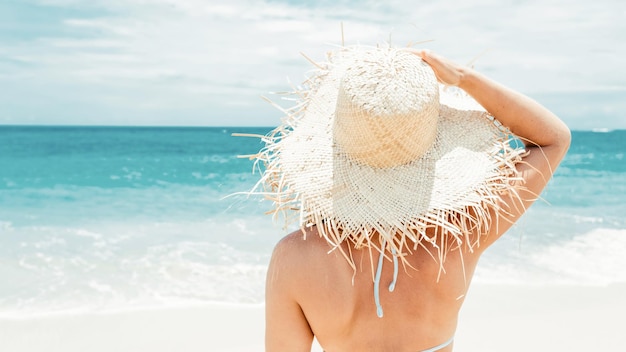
452	186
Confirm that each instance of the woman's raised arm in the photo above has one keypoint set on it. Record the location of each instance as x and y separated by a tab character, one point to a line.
546	137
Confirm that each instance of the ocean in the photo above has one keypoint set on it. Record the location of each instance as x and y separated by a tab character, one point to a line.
117	218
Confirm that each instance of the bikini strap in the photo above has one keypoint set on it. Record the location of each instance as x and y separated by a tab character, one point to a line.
438	347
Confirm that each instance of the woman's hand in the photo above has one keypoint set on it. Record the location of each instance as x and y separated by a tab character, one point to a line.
447	72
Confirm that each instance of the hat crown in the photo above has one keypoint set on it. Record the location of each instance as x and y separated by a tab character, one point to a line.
387	108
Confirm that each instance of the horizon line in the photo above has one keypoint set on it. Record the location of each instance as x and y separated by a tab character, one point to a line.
3	125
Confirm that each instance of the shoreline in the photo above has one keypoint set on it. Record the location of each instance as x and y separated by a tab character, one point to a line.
494	318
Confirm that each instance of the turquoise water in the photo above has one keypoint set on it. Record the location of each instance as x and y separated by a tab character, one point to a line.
101	218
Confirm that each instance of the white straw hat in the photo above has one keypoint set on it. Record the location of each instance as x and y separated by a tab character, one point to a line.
375	153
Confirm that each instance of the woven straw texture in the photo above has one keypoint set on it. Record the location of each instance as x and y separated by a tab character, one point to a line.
375	153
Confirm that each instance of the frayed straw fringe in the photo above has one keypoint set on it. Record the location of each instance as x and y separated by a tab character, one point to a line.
455	226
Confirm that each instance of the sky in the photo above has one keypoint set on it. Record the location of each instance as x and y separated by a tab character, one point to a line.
208	62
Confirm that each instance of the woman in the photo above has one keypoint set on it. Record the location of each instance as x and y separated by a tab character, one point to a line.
324	282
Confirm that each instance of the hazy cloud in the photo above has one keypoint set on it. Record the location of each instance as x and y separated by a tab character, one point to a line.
206	62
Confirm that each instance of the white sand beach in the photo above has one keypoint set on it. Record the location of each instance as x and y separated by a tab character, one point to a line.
563	318
494	318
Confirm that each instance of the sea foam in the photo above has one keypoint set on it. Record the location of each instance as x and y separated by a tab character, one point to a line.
592	258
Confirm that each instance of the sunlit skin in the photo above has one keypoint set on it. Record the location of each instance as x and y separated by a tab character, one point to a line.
310	292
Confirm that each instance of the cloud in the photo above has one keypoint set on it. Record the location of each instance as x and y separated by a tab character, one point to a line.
202	63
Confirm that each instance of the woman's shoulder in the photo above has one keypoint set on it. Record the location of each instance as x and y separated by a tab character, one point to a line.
302	238
298	256
299	244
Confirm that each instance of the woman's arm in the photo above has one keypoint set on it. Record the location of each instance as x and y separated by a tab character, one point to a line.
286	327
546	137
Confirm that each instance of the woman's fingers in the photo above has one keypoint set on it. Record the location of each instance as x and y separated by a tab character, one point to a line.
446	71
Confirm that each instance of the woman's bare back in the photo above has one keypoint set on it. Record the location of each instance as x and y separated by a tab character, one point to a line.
420	313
